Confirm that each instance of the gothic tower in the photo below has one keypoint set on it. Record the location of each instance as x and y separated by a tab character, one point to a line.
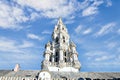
60	54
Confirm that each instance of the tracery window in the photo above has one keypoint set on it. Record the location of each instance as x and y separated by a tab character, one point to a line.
56	56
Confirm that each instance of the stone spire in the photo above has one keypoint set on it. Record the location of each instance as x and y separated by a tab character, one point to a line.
60	21
60	53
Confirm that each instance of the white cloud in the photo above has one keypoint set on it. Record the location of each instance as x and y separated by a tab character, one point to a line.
46	32
69	21
33	36
103	58
34	15
99	56
118	31
90	11
63	8
22	52
26	44
97	2
87	31
10	16
78	29
106	29
95	53
111	45
109	3
8	45
50	8
14	13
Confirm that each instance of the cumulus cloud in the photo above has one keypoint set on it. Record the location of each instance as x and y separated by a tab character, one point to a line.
16	12
11	15
106	29
33	36
50	9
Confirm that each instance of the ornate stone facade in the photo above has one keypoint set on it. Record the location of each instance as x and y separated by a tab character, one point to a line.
60	62
60	54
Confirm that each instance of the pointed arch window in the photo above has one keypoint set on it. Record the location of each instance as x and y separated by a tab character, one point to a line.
56	56
50	58
65	56
57	40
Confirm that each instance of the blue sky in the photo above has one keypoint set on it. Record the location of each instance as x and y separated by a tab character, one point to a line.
26	26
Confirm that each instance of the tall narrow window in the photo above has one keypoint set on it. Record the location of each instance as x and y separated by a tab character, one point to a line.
65	59
50	58
65	56
56	56
57	40
63	39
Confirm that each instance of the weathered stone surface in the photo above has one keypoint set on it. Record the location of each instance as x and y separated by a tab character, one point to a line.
59	75
61	51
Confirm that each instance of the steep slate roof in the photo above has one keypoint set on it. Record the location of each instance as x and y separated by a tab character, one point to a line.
92	75
58	75
22	73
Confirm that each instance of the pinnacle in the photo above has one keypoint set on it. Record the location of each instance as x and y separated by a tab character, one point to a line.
60	21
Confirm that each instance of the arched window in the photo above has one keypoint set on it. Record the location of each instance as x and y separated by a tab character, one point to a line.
65	59
63	39
65	56
56	56
57	40
50	58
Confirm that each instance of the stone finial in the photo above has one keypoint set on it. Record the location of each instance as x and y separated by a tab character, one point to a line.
17	68
60	21
72	44
48	44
